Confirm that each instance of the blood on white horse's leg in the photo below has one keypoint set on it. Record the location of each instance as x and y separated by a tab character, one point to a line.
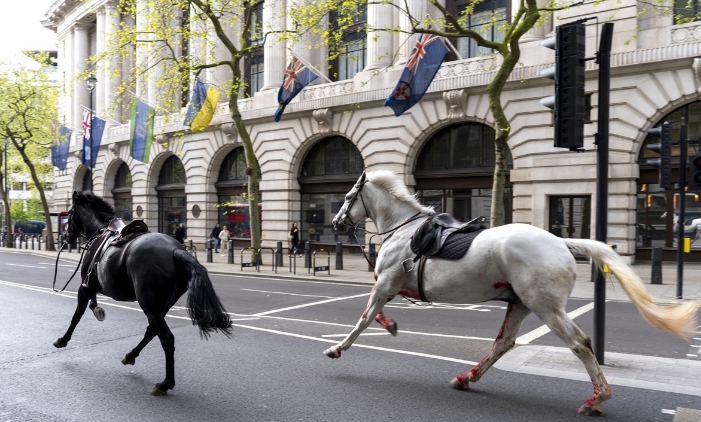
580	344
388	323
375	303
505	341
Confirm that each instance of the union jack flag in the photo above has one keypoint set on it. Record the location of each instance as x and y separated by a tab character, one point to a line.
87	119
423	64
297	76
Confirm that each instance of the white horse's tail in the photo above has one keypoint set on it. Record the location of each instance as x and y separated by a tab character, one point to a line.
676	319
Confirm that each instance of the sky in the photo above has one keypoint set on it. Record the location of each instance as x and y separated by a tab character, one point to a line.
21	29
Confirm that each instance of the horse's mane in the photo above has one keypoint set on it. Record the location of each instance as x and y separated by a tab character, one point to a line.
391	182
102	209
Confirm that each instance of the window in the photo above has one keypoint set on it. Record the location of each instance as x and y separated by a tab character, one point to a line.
465	203
570	216
123	178
464	146
172	172
334	156
486	19
353	47
122	193
234	166
686	11
253	63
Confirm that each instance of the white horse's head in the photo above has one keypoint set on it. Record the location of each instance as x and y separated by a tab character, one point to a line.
348	216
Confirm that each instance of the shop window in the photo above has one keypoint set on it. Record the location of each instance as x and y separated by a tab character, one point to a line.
570	216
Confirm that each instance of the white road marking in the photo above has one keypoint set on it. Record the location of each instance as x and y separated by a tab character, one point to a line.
21	265
321	302
284	293
543	329
362	334
669	411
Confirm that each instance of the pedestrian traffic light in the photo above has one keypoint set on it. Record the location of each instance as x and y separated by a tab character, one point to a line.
568	103
664	149
695	172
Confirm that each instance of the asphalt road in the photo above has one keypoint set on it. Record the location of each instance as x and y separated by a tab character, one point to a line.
274	369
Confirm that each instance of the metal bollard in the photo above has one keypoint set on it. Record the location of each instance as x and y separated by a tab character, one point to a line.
278	254
339	256
656	276
307	254
210	246
33	242
371	257
39	243
231	251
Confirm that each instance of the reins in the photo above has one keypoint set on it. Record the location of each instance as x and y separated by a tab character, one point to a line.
392	231
88	244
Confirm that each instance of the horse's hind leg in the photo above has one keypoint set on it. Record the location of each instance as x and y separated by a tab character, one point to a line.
580	344
505	341
388	323
83	298
158	325
130	358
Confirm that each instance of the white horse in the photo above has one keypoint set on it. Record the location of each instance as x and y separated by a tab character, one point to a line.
694	227
529	268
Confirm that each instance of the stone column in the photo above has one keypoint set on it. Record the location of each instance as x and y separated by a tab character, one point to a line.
65	67
100	66
220	77
380	53
274	15
142	49
81	96
112	80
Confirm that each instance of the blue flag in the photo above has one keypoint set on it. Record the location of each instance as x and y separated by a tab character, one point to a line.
142	118
425	59
297	76
93	128
59	153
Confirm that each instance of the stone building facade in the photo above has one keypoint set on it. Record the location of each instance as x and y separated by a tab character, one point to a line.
441	147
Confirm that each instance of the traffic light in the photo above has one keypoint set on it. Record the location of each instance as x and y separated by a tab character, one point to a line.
664	149
695	172
568	103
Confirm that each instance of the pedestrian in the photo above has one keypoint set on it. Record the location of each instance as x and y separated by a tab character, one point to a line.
215	235
294	238
224	237
180	233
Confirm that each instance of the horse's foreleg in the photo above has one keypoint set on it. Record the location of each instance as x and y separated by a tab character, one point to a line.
375	303
157	323
388	323
130	358
505	341
98	311
561	324
83	298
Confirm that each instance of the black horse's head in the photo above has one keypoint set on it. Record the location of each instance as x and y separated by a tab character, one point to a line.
88	214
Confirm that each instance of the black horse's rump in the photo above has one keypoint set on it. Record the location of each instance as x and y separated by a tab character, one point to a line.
203	306
152	269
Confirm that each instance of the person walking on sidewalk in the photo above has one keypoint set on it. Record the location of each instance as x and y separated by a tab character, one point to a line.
180	233
294	238
215	235
224	237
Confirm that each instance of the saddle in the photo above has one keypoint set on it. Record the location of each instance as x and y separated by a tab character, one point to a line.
441	235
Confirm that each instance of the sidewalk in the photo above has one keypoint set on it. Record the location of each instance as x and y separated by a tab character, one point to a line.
681	376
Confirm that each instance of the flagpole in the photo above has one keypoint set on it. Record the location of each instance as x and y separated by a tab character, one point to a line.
306	63
92	112
451	47
155	107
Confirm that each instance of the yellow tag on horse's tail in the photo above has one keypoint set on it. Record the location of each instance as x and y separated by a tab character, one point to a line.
605	267
687	245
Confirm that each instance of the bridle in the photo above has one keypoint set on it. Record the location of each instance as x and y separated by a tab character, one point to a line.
71	212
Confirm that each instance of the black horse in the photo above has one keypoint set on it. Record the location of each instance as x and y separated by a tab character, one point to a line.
152	269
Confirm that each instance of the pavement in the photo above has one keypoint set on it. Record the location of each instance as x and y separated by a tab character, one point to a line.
681	376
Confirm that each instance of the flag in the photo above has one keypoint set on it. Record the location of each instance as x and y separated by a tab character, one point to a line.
142	117
424	61
59	152
93	128
297	76
202	105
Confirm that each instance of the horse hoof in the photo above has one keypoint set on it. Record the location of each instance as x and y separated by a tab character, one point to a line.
332	353
59	343
392	327
155	391
128	361
590	410
99	313
459	385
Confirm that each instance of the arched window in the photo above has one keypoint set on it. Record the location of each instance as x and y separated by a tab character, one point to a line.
172	201
231	190
233	168
86	181
122	193
328	172
458	147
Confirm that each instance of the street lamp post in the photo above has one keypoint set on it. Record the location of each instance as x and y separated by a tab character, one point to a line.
91	81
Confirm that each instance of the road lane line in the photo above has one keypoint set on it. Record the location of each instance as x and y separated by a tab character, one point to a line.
361	334
284	293
26	266
363	346
543	329
321	302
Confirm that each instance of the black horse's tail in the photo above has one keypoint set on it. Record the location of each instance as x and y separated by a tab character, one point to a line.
203	306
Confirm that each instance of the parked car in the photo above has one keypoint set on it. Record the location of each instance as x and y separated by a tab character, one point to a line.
31	227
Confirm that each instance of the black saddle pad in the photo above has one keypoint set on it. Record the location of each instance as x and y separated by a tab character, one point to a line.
457	244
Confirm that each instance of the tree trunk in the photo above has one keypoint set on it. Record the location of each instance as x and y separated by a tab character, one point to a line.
8	217
50	246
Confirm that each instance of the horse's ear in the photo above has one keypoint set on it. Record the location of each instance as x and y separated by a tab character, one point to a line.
362	178
75	195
